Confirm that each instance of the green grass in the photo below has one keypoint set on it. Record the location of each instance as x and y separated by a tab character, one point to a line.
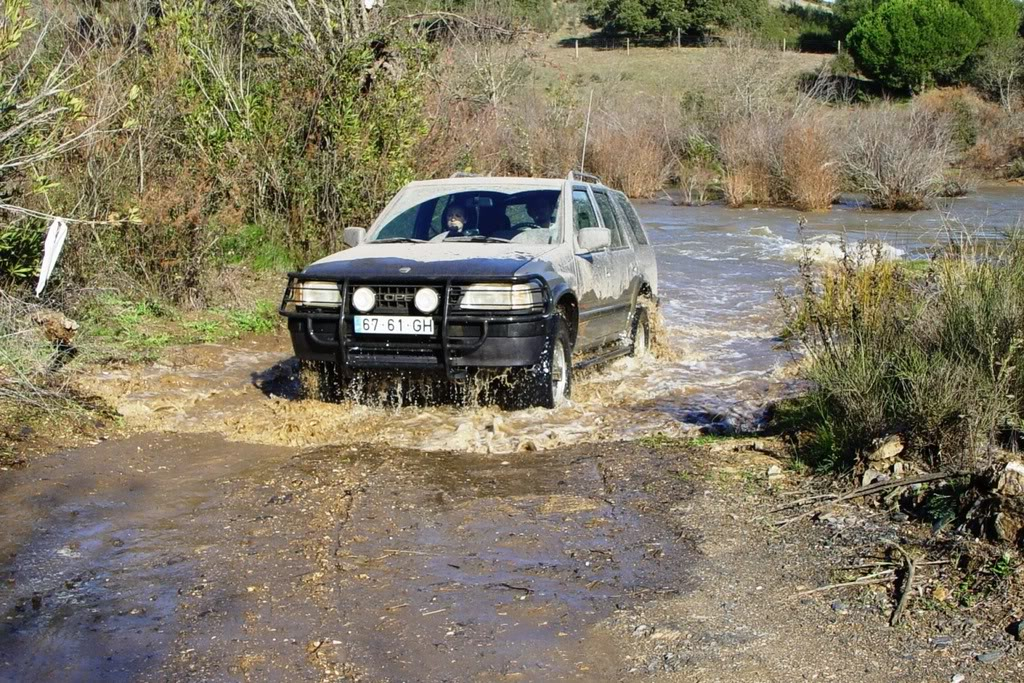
255	246
137	330
663	71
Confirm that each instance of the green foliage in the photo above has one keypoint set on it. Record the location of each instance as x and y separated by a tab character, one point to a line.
662	18
808	29
256	247
846	14
1005	566
264	318
910	44
21	250
245	138
931	356
842	65
997	19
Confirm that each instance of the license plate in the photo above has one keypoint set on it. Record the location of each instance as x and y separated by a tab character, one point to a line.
389	324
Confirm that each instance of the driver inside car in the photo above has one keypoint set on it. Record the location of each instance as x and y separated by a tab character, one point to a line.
541	210
456	219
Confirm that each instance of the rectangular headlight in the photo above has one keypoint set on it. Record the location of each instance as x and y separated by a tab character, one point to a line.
501	297
318	293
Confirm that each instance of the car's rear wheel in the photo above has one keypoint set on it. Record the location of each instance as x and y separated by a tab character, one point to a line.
640	338
549	383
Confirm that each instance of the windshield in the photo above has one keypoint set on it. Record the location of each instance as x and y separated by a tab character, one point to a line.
522	216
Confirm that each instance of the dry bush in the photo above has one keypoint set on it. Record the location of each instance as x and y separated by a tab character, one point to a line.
696	182
542	133
750	152
629	153
751	75
985	136
810	168
27	359
896	155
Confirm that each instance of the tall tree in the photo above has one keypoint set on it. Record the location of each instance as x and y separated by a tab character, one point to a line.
665	17
910	44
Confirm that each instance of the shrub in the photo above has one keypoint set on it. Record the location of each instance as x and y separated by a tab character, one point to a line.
810	167
842	65
932	357
997	67
909	44
21	250
629	153
1015	169
896	156
749	150
959	183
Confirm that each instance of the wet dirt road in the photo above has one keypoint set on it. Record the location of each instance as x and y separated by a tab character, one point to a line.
185	557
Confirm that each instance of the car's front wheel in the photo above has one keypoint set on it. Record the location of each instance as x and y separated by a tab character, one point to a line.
549	383
321	381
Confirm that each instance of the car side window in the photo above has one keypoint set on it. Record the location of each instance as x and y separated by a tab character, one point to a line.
583	210
604	203
634	221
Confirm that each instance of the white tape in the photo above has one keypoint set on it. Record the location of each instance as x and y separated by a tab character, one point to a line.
55	236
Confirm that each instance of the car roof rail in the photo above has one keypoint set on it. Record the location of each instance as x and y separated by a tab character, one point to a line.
585	177
465	174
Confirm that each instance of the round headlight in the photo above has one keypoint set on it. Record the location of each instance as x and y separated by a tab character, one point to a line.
426	300
363	299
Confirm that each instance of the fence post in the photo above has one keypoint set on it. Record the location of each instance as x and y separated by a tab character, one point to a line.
679	38
783	44
577	50
839	49
627	47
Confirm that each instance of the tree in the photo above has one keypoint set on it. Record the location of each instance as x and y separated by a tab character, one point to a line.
665	17
997	19
909	44
846	14
998	68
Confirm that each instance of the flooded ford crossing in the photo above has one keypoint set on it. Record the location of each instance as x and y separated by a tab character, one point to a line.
243	532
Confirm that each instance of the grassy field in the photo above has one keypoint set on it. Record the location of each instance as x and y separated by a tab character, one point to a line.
657	71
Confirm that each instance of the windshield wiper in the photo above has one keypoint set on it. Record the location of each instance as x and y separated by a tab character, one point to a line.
397	239
475	238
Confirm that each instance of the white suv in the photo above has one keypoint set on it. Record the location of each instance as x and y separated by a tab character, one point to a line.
471	274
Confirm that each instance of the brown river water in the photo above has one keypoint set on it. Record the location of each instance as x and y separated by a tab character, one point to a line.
246	534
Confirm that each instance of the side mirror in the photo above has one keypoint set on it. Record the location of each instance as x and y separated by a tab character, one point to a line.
594	239
354	236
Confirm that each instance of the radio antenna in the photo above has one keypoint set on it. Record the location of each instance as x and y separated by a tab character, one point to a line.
586	133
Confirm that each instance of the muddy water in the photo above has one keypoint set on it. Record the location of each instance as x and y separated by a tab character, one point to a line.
720	270
188	558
